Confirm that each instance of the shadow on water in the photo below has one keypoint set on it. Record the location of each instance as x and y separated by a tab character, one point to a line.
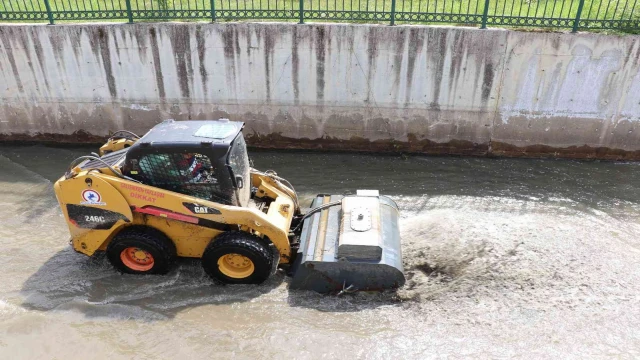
587	182
342	303
337	173
69	281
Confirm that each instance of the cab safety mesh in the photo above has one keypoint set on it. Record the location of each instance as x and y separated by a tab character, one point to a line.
186	173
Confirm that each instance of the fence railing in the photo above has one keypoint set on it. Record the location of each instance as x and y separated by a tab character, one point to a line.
572	14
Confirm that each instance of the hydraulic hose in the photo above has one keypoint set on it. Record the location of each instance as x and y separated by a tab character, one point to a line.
126	132
90	157
315	210
272	174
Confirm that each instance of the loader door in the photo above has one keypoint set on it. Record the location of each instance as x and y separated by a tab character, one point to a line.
238	161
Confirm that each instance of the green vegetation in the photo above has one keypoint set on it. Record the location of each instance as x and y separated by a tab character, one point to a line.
596	14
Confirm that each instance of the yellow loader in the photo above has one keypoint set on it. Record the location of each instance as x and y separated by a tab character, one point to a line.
186	189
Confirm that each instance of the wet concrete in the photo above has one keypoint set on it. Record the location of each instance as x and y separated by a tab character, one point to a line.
427	89
505	258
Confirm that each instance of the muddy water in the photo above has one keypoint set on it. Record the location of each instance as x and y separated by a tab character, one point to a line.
505	258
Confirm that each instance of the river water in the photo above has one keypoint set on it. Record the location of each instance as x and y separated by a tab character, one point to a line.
504	259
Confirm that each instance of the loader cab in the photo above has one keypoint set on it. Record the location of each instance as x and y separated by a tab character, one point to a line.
204	159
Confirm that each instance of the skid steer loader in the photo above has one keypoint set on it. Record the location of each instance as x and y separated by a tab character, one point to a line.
186	189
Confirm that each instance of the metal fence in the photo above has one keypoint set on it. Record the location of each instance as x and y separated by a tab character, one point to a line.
573	14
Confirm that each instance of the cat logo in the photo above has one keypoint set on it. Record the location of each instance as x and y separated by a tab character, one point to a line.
200	210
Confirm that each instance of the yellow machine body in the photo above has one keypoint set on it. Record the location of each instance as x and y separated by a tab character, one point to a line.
171	216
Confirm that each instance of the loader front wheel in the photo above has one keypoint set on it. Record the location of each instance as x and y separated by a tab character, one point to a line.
141	251
237	257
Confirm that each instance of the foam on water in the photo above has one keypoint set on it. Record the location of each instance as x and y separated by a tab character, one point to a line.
9	309
536	253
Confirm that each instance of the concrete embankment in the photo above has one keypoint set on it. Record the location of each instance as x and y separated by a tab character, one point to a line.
444	90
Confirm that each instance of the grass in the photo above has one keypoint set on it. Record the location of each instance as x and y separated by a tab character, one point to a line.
597	14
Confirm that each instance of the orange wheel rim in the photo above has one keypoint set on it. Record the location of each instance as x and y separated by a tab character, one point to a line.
137	259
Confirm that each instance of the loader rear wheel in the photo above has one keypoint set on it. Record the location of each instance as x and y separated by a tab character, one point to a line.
141	251
237	257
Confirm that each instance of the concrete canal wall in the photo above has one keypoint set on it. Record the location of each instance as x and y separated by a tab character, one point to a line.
449	90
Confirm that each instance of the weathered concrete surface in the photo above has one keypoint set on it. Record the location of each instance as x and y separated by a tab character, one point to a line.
359	87
577	94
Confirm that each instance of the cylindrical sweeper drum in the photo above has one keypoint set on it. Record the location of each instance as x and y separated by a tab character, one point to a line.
354	244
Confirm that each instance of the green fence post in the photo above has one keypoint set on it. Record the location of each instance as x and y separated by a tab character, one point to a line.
577	21
213	10
393	12
301	12
49	13
129	12
485	14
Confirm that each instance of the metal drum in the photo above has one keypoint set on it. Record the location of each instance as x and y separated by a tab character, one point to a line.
352	245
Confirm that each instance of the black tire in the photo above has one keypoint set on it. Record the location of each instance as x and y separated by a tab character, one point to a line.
154	242
242	243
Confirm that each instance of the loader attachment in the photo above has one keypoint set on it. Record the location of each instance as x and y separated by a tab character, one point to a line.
353	243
